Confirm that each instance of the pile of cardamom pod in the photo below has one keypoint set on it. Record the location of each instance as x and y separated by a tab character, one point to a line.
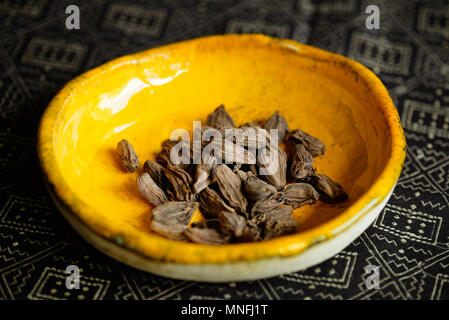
238	204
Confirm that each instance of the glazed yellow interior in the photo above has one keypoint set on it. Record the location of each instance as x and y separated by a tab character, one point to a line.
143	97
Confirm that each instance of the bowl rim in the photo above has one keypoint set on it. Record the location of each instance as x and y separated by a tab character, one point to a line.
160	249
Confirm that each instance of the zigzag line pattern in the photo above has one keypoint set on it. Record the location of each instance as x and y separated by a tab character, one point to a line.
426	252
6	236
401	197
418	287
384	238
123	293
429	203
196	297
444	265
7	254
403	258
250	295
430	156
419	186
290	291
329	296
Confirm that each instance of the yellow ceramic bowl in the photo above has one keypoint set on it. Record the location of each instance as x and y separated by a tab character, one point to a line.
142	97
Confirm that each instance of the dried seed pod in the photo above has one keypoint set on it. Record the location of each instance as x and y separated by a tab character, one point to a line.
231	223
329	190
251	232
247	137
253	169
129	160
302	163
257	189
270	223
206	224
279	222
171	219
211	204
200	130
279	178
156	172
202	179
261	218
246	169
178	183
220	118
203	175
243	175
312	144
233	153
163	157
250	125
228	152
300	194
279	196
173	232
206	236
236	167
150	190
230	187
276	121
265	205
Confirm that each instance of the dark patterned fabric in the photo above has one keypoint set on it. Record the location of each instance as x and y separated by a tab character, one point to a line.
410	53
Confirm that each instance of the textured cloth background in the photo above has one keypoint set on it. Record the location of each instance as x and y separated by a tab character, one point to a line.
410	53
